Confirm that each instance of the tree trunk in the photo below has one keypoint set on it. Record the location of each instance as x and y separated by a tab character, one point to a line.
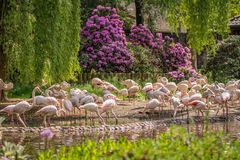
139	14
2	55
2	96
195	60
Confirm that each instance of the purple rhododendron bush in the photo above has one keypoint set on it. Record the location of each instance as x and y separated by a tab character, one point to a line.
104	48
175	59
104	43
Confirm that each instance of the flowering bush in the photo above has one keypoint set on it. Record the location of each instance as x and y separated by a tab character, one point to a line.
172	57
104	42
176	56
113	57
143	59
140	35
184	73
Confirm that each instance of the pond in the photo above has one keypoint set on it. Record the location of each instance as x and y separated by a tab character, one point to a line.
34	143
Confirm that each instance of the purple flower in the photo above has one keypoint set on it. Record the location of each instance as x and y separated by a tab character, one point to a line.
46	133
140	35
5	158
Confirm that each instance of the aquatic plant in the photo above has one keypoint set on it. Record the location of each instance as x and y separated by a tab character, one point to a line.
174	144
46	133
12	151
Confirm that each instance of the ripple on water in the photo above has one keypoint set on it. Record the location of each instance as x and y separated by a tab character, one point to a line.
143	129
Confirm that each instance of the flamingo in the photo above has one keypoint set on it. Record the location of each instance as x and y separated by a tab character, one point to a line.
129	83
21	108
123	92
157	85
152	104
67	104
199	105
43	101
96	82
92	107
182	87
176	104
9	110
109	105
225	98
171	86
49	111
163	80
132	91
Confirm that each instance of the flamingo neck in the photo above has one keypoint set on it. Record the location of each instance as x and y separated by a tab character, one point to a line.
58	113
33	95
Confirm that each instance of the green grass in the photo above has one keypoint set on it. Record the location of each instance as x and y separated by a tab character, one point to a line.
26	91
175	144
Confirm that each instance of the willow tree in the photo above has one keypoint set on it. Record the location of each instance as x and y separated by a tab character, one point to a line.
203	19
40	39
56	41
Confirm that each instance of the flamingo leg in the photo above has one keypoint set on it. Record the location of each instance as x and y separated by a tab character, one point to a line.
181	112
217	112
24	118
202	113
49	123
85	116
114	116
226	109
223	111
175	113
11	118
100	117
20	120
45	121
187	113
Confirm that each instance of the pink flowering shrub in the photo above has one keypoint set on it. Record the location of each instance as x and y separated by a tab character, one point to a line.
104	43
176	56
172	57
140	35
177	60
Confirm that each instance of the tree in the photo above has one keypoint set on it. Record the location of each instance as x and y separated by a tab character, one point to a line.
40	39
139	14
203	19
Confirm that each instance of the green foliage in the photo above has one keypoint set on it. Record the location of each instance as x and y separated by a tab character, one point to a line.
202	19
143	59
12	151
41	39
1	120
57	31
18	39
175	144
235	7
225	64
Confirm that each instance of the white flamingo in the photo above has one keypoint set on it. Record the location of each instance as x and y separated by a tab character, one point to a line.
9	110
21	108
109	105
43	101
49	111
92	107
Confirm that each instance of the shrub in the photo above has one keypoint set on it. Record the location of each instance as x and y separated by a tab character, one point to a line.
225	64
143	59
171	57
175	59
140	35
104	43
